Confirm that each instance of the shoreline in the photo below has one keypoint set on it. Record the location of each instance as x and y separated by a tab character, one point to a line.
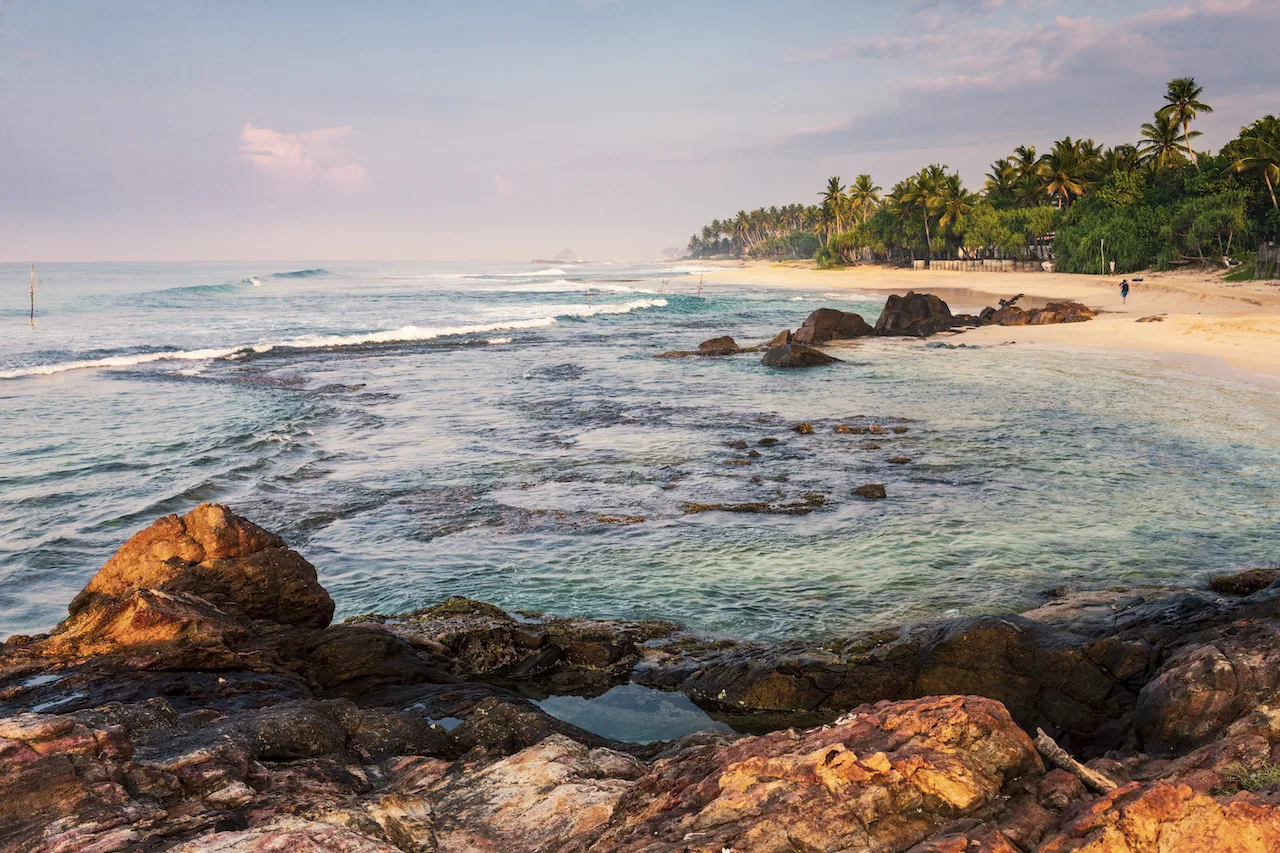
213	685
1236	322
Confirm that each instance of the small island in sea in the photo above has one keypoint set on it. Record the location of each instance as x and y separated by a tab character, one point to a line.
928	519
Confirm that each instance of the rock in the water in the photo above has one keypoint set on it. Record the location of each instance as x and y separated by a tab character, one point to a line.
724	345
871	491
915	315
803	429
899	460
783	337
796	355
829	324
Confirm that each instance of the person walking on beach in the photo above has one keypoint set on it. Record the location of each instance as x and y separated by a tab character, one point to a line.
1124	291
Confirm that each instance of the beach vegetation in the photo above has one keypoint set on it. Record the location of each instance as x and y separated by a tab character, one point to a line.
1154	202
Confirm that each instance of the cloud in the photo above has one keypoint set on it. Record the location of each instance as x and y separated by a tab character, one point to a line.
313	155
1024	81
503	186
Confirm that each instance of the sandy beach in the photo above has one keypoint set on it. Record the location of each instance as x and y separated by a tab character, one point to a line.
1202	314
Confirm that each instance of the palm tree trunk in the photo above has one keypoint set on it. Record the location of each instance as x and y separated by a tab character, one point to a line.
1186	137
1270	188
928	241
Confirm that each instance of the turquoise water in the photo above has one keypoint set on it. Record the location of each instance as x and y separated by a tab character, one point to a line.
424	430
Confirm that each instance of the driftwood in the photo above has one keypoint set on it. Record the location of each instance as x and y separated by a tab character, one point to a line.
1058	757
1009	303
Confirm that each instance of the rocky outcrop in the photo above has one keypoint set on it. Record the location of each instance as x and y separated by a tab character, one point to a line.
796	355
723	345
214	554
1052	313
829	324
195	705
914	315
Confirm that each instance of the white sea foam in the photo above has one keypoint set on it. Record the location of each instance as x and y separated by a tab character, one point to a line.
404	334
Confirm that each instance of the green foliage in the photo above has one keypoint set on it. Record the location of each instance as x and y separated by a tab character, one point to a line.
1244	272
1122	189
1155	203
1135	237
1238	778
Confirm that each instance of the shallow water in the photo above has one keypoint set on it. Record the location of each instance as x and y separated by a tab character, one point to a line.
423	430
633	714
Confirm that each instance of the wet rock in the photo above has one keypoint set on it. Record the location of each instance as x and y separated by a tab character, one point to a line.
868	445
768	442
899	430
737	444
871	491
807	504
829	324
796	355
899	460
783	337
915	315
803	429
1244	583
724	345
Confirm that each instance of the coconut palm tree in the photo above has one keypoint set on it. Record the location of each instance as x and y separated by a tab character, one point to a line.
1067	170
1001	184
1159	143
955	202
1260	149
1183	106
864	195
922	196
1120	158
1030	171
833	201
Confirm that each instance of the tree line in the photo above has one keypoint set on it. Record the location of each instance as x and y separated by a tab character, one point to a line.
1155	203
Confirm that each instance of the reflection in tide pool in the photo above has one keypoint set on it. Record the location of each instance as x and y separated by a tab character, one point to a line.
633	714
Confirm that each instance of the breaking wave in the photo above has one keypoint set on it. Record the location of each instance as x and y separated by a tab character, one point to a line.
404	334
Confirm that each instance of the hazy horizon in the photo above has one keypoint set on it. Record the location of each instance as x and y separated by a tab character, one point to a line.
269	132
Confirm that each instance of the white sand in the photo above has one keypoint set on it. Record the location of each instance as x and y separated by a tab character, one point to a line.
1203	315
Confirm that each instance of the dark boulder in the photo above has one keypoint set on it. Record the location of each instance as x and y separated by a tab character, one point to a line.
914	315
871	491
796	355
783	337
828	324
723	345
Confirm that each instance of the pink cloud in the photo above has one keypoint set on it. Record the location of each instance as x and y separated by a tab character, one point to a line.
503	185
313	155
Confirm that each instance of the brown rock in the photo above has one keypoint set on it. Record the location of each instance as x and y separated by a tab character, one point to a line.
899	460
881	778
1137	818
803	429
796	355
829	324
1244	583
1059	789
724	345
871	491
915	315
213	553
783	337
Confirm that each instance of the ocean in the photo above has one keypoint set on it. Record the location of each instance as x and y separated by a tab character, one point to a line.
503	431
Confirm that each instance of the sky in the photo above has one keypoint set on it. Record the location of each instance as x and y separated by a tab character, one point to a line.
316	130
